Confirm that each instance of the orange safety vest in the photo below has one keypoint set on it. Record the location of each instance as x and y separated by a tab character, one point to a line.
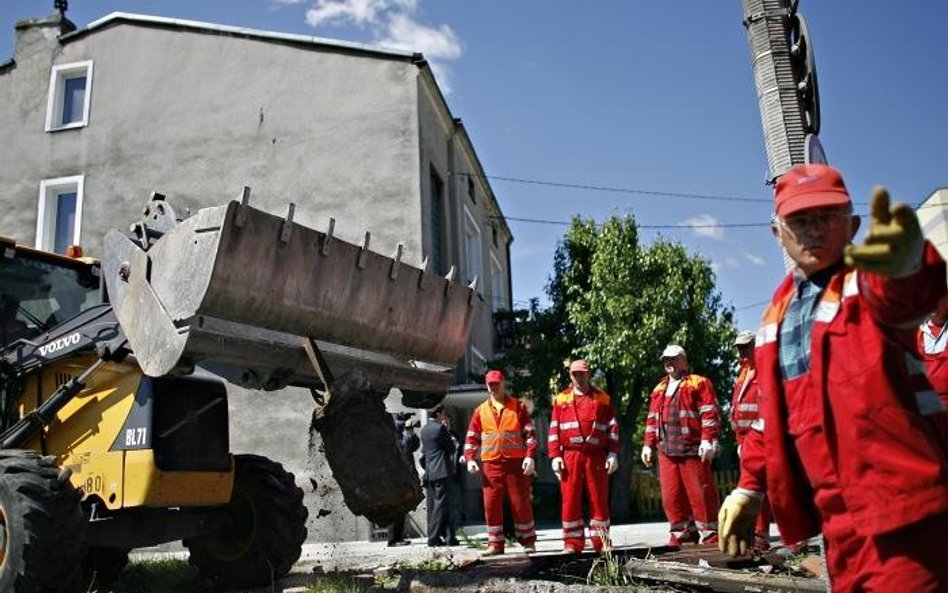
506	439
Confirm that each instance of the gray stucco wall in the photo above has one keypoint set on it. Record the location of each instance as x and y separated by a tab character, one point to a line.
198	116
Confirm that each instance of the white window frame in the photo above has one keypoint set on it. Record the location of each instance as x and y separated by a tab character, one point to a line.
57	82
49	192
498	294
471	228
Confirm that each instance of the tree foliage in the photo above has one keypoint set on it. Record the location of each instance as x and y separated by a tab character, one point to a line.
618	304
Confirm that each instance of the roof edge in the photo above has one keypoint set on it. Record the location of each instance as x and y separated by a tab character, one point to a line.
205	27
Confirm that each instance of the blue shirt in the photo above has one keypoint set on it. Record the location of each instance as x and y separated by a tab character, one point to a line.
797	326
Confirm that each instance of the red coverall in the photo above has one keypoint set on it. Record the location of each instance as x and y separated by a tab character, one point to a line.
505	437
676	424
846	448
583	430
745	409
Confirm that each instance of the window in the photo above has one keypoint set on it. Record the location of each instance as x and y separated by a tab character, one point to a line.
472	244
470	189
437	223
478	362
59	213
498	296
70	86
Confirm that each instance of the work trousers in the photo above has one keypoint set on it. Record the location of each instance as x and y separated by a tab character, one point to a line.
437	493
689	495
585	472
504	478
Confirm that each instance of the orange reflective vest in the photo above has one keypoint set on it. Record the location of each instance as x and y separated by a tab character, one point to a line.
501	434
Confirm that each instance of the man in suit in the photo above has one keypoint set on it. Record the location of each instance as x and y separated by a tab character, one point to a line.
437	453
408	443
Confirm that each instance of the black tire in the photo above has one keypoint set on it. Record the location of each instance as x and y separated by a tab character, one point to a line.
267	530
42	526
102	566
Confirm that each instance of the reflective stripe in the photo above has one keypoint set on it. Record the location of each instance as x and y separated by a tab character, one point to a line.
613	422
531	441
469	447
572	424
528	427
758	425
599	426
592	440
576	439
495	529
687	414
613	437
524	526
928	403
496	538
471	433
826	311
553	437
706	408
709	423
744	422
653	414
685	430
597	523
570	534
554	424
766	334
712	526
747	407
851	286
649	429
568	524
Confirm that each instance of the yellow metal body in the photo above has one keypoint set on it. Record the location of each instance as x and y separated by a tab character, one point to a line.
84	433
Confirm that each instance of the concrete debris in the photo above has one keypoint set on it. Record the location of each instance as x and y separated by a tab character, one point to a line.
358	438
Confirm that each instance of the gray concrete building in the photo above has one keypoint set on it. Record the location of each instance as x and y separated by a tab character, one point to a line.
98	117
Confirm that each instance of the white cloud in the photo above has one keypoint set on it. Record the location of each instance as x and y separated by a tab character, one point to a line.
754	258
392	24
705	225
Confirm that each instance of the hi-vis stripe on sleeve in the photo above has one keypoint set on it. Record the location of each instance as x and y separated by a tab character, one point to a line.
851	287
767	334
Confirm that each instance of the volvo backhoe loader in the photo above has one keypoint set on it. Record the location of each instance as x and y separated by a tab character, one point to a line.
114	416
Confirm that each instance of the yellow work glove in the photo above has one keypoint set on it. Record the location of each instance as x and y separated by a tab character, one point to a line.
893	245
736	522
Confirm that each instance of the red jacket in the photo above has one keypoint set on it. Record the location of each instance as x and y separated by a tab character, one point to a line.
512	430
583	422
932	342
890	468
698	412
745	402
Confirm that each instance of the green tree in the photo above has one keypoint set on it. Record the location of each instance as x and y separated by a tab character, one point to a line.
626	302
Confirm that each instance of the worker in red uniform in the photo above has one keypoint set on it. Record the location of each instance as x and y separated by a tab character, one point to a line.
745	410
584	446
683	424
932	342
845	447
502	429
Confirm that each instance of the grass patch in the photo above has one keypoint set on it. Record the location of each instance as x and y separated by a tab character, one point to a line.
157	576
337	584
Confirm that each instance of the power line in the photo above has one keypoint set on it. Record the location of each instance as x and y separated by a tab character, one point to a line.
647	226
624	190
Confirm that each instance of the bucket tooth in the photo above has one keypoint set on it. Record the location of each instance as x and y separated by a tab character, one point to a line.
473	287
241	216
364	251
287	227
449	286
424	273
396	259
327	238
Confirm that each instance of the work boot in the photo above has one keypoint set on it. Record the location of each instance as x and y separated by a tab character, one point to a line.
492	551
685	537
710	539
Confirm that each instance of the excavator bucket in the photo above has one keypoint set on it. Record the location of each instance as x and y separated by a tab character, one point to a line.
266	302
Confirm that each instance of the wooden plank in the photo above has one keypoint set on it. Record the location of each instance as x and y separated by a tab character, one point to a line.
720	579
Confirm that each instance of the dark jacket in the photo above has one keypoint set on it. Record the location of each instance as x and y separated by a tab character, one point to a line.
408	443
437	449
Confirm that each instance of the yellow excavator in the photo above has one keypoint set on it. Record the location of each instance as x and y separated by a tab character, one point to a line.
113	406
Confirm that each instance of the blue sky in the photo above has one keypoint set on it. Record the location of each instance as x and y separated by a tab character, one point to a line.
637	95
